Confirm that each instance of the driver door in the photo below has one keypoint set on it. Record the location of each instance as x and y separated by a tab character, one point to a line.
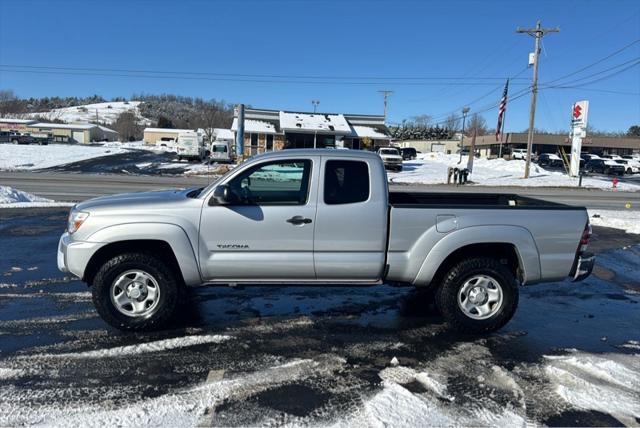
266	231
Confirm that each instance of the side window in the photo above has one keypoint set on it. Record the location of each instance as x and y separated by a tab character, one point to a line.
345	182
273	183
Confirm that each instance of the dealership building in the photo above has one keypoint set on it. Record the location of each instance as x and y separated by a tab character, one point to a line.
82	133
487	146
267	130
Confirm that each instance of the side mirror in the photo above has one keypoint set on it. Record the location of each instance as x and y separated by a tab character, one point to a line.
221	195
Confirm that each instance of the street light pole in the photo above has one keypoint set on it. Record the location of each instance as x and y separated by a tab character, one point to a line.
464	116
315	103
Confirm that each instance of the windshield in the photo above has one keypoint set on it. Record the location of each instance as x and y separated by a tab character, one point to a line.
389	152
217	148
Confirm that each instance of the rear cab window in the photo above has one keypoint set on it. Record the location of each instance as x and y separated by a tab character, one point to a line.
346	182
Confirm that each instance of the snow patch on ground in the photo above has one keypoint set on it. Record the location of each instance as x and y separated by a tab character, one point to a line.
6	373
14	198
16	157
397	406
607	383
626	220
431	168
145	348
187	407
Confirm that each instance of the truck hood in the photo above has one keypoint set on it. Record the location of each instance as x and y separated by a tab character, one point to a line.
159	197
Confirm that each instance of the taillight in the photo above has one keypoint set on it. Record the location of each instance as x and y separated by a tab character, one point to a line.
584	239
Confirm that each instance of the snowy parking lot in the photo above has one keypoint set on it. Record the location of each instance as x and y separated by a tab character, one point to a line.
326	356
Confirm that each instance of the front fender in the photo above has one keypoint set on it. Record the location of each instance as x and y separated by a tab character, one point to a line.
517	236
172	234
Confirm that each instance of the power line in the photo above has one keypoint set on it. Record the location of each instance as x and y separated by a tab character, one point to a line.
239	75
596	62
203	78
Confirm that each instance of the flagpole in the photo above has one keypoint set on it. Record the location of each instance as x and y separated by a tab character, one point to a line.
504	117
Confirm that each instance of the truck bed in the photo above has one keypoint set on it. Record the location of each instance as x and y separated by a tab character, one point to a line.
471	200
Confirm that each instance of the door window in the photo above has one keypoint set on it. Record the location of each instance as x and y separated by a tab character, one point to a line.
273	183
269	142
345	182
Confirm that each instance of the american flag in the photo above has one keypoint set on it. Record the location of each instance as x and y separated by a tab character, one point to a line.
501	110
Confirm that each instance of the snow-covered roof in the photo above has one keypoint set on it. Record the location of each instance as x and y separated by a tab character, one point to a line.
64	125
331	123
12	120
257	126
223	134
105	129
368	132
167	130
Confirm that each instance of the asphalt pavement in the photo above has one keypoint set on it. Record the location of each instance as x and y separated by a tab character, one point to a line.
299	355
77	187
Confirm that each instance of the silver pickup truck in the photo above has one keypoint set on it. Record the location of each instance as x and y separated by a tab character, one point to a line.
319	217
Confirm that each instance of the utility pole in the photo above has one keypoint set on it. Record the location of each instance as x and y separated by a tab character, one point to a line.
315	103
465	110
537	33
385	94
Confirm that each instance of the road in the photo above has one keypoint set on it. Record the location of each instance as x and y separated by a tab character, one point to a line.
314	356
77	187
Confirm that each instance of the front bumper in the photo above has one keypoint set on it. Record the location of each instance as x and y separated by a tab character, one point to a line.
74	256
584	266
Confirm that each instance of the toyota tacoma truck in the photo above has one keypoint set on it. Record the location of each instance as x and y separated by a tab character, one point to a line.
320	217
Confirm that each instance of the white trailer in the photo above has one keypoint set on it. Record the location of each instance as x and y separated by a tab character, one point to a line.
191	146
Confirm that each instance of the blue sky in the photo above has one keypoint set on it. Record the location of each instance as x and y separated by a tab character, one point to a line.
339	41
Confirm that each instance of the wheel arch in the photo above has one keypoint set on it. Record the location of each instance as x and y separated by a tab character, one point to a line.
174	245
516	247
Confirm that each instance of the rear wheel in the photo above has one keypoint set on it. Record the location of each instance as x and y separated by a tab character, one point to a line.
136	291
478	295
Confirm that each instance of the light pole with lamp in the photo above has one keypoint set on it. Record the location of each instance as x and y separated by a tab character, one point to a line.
464	116
315	104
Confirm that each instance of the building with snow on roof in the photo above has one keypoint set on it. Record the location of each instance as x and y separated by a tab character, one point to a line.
267	130
82	133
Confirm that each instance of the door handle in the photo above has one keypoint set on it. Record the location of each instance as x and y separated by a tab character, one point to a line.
298	220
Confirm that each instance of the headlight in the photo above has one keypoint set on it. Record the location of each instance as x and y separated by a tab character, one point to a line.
76	218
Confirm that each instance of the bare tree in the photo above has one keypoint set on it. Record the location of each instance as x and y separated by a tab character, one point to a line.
127	126
477	124
423	120
452	122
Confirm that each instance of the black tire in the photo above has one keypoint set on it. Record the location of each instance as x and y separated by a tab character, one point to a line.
168	284
447	295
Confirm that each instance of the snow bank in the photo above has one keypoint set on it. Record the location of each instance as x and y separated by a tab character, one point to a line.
626	220
145	348
14	198
431	168
30	157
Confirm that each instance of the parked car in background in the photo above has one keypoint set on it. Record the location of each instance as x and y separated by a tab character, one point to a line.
589	156
630	166
28	138
408	153
604	166
519	154
550	160
391	158
221	152
320	217
5	136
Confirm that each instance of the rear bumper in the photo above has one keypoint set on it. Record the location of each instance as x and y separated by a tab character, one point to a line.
583	267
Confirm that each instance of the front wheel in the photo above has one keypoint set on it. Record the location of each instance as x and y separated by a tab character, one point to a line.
136	291
478	295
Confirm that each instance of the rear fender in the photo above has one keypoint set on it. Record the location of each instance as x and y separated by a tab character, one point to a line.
519	237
